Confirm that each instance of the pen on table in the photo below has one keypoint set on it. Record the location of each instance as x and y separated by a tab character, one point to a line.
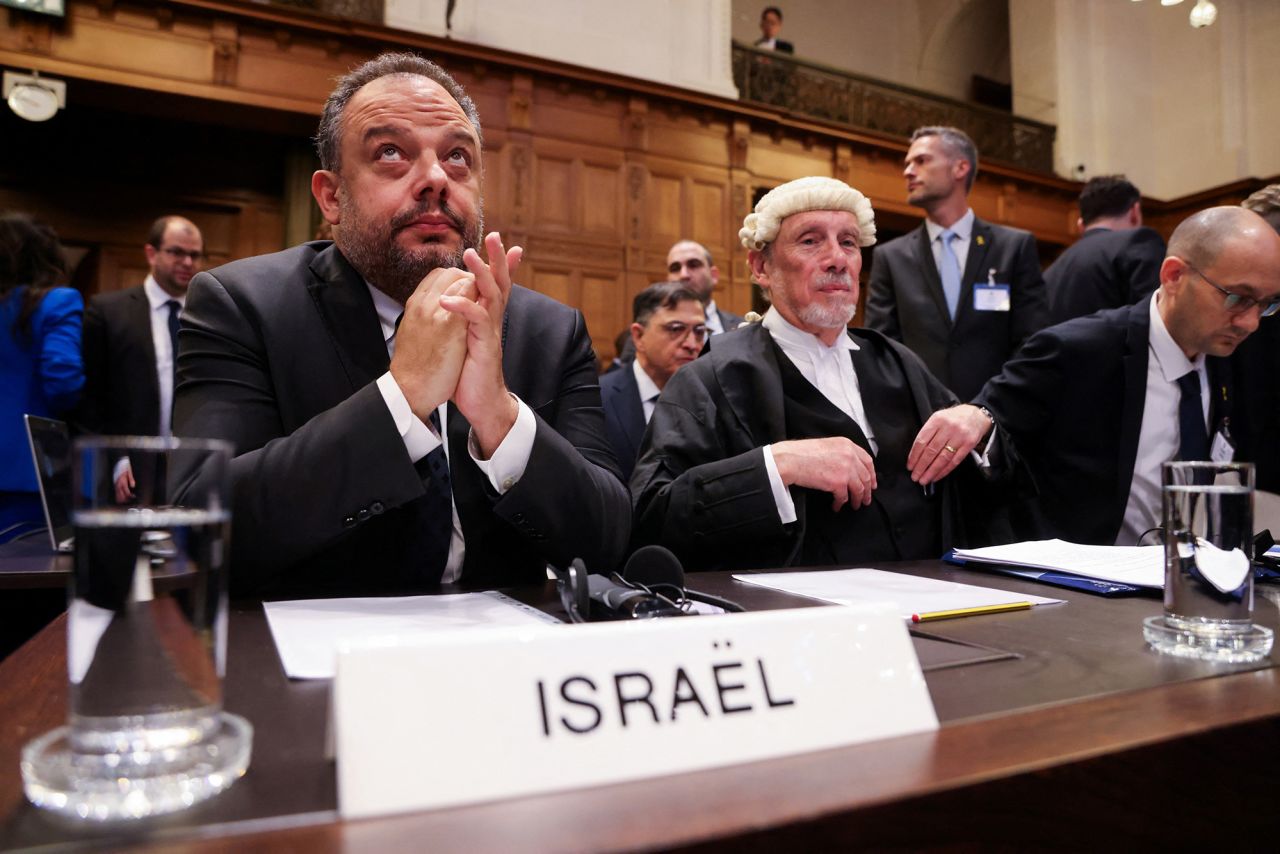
970	612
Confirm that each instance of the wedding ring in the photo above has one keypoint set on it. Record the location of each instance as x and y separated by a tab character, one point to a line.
948	449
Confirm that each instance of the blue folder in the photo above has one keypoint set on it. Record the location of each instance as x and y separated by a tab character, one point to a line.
1056	578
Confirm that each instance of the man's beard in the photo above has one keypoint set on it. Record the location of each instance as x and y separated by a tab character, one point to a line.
829	315
372	249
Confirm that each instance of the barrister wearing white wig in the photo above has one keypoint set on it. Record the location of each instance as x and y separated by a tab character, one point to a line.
806	194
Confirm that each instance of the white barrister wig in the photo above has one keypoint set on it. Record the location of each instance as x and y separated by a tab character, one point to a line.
806	194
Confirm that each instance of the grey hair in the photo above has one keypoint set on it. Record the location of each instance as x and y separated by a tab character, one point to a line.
329	134
958	143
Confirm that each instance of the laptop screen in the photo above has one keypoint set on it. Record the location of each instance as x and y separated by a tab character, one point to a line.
51	454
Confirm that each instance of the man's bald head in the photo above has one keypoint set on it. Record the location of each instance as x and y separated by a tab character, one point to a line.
1200	238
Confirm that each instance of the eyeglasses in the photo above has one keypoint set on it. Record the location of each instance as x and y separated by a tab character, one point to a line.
1237	303
177	254
677	330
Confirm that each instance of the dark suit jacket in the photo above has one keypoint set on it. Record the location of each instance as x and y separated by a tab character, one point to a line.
121	390
1104	269
623	416
906	303
1072	402
280	355
701	487
1256	414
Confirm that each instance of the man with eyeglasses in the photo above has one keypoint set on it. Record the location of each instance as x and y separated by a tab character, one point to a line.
797	441
1096	405
668	330
130	338
689	262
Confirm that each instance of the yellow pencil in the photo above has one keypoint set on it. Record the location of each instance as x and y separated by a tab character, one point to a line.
969	612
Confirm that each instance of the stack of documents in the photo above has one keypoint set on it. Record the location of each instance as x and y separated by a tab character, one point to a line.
909	595
1099	569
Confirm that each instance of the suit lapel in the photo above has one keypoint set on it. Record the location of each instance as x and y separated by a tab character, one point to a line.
975	266
345	307
929	269
1137	354
140	322
751	380
631	410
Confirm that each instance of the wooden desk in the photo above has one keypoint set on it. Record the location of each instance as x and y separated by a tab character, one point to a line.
1087	739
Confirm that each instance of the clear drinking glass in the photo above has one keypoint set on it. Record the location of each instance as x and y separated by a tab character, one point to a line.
146	637
1208	577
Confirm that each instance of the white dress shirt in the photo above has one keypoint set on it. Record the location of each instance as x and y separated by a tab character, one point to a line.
714	326
649	390
963	231
159	300
503	469
830	370
1159	438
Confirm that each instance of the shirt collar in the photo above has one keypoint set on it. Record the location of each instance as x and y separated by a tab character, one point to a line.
388	310
157	297
648	388
1168	355
962	228
789	335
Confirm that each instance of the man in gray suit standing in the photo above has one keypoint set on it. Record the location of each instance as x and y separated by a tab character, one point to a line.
960	292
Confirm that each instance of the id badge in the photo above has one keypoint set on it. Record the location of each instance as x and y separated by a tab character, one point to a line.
990	297
1221	450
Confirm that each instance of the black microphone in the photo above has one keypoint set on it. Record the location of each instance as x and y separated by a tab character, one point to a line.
616	602
654	566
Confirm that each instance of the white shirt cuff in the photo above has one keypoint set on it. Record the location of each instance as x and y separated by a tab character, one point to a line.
419	439
781	495
984	459
122	466
506	466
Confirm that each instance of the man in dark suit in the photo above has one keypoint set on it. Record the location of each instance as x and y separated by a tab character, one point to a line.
1257	366
668	330
402	414
1115	262
129	338
794	441
689	262
770	27
962	293
1096	405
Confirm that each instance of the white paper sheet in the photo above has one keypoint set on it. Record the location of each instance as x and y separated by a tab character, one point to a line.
908	594
1141	566
308	632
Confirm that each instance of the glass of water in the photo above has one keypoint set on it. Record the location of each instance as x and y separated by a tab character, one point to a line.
1208	578
147	631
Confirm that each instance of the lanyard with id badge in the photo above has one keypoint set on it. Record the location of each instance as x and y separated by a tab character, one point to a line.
990	296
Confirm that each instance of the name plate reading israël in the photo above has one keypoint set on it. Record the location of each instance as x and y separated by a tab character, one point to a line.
486	715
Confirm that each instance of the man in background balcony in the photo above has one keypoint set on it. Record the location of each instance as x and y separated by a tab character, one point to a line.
961	292
1116	261
770	27
403	415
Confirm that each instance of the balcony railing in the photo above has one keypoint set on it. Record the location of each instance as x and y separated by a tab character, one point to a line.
821	92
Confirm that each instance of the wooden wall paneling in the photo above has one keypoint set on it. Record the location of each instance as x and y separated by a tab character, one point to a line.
574	113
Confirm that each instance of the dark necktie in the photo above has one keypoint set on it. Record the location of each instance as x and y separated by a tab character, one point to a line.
1193	441
174	307
436	505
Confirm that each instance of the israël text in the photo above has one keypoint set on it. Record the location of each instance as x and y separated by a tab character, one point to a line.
578	704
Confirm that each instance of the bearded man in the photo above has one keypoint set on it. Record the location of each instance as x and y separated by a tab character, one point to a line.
402	415
796	441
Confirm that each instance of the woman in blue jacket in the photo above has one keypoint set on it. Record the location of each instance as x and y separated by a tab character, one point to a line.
41	371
